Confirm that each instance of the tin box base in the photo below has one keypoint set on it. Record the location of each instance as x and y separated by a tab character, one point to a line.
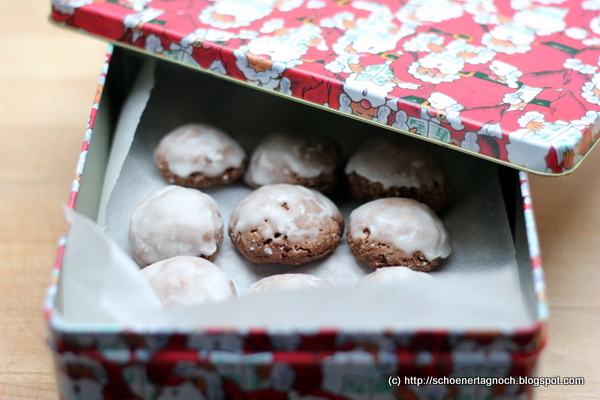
132	361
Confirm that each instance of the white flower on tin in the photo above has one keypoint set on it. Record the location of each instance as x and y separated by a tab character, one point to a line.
577	65
69	6
373	90
591	5
469	355
449	108
285	87
422	42
263	72
470	142
315	4
512	98
408	85
228	14
591	41
217	66
138	5
509	39
595	25
422	12
153	44
272	25
290	47
470	54
543	20
282	377
401	120
371	6
493	130
247	34
483	11
437	68
520	4
586	121
338	20
576	33
289	5
211	35
590	90
510	73
531	116
131	21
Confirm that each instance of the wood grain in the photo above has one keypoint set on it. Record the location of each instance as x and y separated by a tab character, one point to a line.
47	82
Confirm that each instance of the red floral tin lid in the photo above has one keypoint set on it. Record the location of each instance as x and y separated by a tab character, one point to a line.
517	82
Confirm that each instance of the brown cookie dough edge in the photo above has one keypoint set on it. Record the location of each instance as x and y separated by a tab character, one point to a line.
324	183
197	179
365	190
282	251
376	255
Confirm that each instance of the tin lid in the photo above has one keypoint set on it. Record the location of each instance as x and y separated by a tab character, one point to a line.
515	82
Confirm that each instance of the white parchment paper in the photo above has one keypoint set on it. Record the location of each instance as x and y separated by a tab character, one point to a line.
477	286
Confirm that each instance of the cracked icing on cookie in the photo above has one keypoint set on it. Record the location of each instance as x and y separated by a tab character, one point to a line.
401	224
290	210
393	275
284	157
188	280
200	148
284	223
175	221
288	282
395	164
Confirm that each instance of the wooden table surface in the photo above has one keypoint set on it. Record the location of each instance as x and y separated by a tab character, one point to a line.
47	82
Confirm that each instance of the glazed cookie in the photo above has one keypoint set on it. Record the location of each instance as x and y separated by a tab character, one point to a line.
308	160
288	282
397	232
390	167
188	280
393	275
197	155
286	224
175	221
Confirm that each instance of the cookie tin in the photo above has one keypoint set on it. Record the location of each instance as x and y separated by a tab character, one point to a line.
514	82
108	361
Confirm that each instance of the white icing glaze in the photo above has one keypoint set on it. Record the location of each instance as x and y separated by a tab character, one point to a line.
393	275
291	210
188	280
281	155
174	221
395	164
403	224
288	282
200	148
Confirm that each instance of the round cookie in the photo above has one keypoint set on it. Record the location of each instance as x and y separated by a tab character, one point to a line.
394	275
188	280
197	155
288	282
175	221
286	224
390	167
397	232
309	160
